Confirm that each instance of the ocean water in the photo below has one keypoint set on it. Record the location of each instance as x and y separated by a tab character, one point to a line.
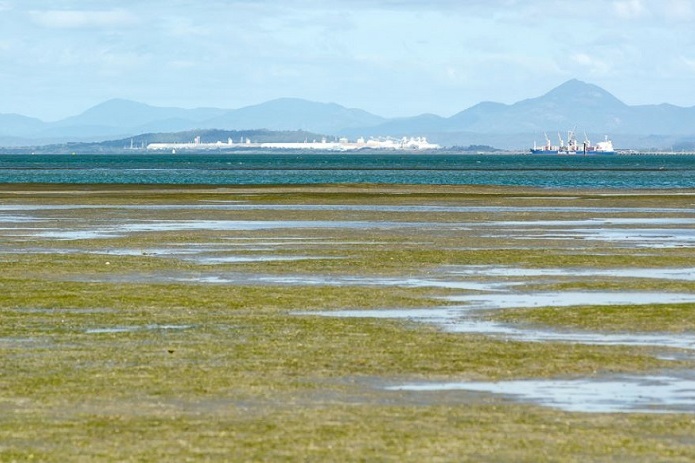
619	171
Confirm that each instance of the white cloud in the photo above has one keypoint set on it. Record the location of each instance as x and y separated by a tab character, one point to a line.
689	64
445	55
669	10
679	10
79	19
630	9
591	64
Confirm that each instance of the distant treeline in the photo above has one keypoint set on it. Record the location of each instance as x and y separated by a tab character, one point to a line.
215	135
139	142
475	149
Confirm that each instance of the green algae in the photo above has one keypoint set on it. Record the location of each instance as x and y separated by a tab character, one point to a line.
101	364
671	318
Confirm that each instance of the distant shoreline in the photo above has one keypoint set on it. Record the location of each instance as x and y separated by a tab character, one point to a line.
67	149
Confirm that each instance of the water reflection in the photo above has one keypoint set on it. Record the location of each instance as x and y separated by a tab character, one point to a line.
672	393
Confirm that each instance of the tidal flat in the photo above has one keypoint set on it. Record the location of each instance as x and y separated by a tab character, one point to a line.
326	323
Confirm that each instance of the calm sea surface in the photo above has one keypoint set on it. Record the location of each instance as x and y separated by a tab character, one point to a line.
633	171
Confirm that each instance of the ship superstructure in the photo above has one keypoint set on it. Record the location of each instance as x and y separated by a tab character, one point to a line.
572	146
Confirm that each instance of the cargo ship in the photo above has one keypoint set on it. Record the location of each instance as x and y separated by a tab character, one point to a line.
572	146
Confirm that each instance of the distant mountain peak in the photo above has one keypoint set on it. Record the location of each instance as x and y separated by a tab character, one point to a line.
576	85
577	92
117	104
295	104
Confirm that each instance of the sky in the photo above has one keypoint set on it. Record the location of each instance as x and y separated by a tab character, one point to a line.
394	58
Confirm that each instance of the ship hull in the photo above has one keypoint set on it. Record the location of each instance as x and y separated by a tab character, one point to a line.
571	153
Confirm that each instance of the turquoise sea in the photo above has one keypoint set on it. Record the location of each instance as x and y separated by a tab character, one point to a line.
620	171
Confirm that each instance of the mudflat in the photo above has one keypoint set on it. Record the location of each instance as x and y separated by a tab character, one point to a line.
314	323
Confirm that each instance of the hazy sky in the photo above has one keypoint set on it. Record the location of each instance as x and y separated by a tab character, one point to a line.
389	57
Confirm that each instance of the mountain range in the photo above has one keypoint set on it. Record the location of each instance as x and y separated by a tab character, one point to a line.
574	105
